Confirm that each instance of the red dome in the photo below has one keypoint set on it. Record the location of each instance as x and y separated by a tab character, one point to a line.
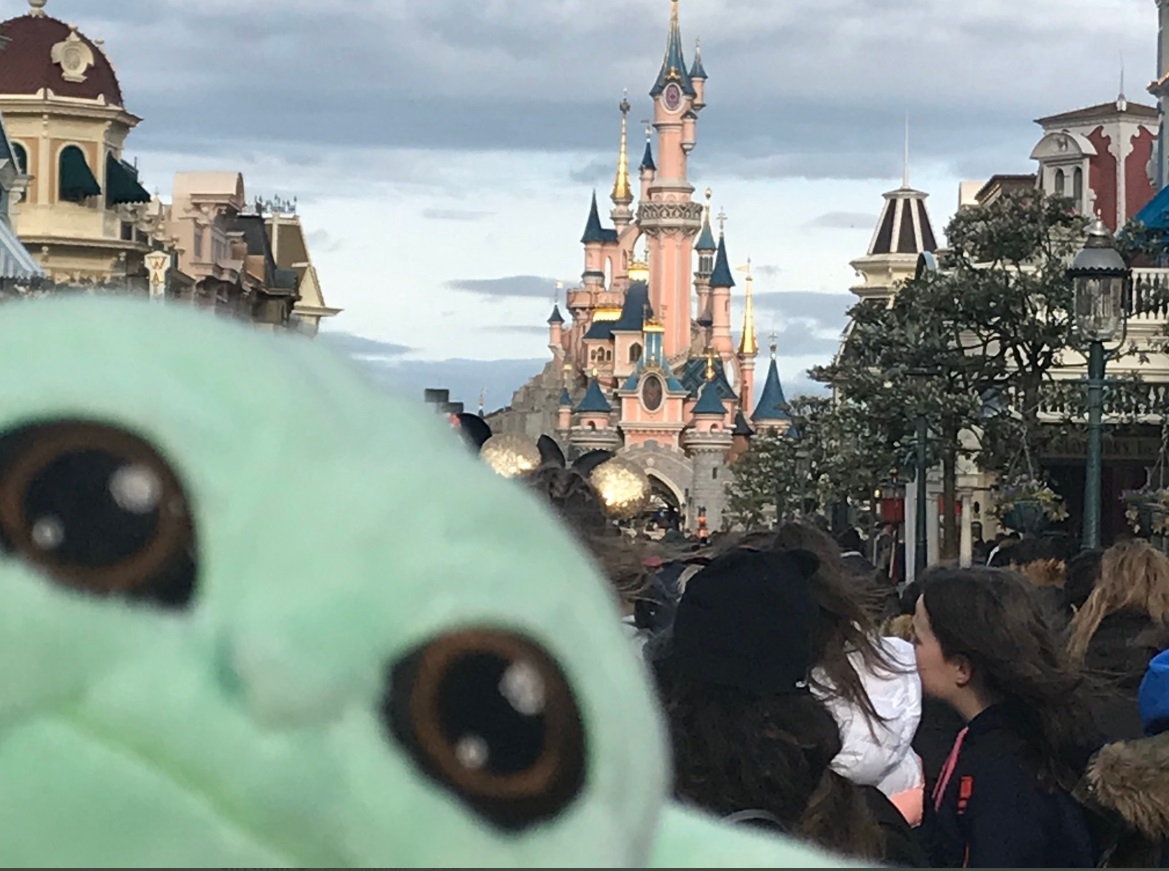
26	61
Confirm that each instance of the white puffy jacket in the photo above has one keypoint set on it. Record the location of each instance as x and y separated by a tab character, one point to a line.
881	756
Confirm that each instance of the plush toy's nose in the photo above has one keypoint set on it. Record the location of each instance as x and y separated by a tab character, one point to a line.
278	689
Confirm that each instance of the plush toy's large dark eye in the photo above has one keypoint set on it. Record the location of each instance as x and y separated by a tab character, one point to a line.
98	510
490	716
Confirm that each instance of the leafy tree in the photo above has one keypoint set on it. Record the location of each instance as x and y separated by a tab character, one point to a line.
981	334
830	454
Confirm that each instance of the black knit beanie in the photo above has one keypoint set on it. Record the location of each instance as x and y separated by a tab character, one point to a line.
745	621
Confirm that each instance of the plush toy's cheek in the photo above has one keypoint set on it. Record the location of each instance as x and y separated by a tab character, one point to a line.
690	839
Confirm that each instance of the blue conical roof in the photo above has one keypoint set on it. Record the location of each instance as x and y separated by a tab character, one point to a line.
721	277
634	310
772	404
594	401
673	63
647	160
706	238
709	401
565	399
557	317
594	232
698	71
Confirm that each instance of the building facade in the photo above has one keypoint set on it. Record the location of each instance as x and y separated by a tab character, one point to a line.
643	360
76	202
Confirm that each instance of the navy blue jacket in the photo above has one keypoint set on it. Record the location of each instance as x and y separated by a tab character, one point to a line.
995	813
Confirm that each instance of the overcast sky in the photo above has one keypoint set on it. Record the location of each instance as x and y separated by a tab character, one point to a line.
444	152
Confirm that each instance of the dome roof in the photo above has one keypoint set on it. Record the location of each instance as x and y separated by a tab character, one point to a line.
42	52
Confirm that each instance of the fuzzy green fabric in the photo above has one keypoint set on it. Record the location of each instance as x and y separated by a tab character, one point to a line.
337	529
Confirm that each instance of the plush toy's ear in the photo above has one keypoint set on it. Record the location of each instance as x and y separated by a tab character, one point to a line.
587	462
474	429
550	453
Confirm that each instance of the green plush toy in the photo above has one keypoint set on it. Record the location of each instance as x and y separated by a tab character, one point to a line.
255	614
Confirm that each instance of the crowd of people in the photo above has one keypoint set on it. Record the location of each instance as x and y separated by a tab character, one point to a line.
1009	715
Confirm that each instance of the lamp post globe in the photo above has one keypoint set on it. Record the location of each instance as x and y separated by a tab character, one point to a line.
1100	280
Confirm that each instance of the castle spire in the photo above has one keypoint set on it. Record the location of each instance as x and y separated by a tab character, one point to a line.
674	62
748	346
622	194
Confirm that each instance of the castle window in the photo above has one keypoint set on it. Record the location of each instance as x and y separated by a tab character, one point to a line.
75	181
1078	187
714	473
635	353
21	157
1059	183
198	242
608	356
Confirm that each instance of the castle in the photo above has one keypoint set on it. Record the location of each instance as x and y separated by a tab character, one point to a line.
645	363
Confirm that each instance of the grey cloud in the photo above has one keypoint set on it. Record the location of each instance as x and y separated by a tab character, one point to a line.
521	329
768	270
464	378
512	286
593	172
355	345
829	310
461	74
455	215
799	339
842	221
322	241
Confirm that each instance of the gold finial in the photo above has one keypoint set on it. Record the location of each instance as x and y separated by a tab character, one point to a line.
773	338
622	193
748	347
556	295
709	374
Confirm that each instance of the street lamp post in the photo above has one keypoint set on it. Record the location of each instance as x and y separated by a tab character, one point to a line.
803	470
1100	278
921	548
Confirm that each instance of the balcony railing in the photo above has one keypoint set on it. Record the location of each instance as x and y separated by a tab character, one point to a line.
1149	304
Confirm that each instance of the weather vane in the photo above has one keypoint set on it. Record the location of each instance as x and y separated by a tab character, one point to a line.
722	221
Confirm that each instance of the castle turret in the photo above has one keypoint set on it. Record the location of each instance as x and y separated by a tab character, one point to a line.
593	429
721	282
564	411
707	441
555	331
667	215
748	345
698	78
622	194
706	248
771	412
648	169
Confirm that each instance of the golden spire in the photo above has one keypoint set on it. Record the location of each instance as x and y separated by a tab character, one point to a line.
748	347
709	374
622	193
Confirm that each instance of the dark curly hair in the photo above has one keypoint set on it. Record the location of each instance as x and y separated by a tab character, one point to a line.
993	618
580	508
734	750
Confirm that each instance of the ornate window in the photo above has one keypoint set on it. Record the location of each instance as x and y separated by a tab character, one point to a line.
651	393
21	157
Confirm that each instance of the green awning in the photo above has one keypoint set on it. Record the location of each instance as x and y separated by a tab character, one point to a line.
75	181
122	183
